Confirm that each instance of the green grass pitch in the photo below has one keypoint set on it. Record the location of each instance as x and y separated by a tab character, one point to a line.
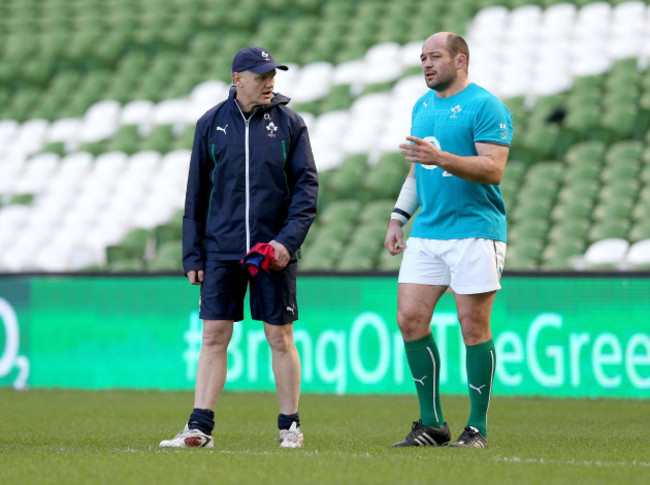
111	437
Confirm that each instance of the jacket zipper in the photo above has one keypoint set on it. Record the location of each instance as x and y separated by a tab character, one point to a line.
247	176
248	198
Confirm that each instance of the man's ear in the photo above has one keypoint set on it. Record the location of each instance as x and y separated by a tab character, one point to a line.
461	61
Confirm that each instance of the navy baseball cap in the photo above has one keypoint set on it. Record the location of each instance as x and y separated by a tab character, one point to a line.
255	59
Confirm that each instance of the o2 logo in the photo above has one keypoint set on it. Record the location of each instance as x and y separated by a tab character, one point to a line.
9	358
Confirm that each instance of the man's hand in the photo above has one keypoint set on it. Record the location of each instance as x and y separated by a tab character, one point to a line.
394	241
420	151
281	257
195	277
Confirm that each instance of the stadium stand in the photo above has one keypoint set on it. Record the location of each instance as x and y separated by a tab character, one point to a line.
98	100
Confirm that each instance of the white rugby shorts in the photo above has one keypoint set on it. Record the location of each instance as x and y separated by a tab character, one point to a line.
468	266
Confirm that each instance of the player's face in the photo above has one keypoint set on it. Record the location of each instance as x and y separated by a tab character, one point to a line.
438	66
255	89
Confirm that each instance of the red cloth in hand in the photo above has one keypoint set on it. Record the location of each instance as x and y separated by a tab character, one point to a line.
259	257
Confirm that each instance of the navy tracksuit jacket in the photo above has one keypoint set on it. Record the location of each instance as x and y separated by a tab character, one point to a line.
250	180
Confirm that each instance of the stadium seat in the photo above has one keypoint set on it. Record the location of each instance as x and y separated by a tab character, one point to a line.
526	229
605	253
608	229
388	262
343	209
589	152
378	210
637	256
613	209
335	230
561	254
133	246
617	123
624	151
639	230
569	228
532	208
168	257
620	190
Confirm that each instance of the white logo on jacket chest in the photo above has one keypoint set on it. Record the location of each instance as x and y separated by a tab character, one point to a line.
222	128
271	128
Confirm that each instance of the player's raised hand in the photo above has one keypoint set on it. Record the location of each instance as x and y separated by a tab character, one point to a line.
419	151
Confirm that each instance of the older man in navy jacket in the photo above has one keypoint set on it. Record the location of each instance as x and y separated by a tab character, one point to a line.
252	180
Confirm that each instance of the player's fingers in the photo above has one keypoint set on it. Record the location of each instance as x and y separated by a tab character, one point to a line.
200	276
416	140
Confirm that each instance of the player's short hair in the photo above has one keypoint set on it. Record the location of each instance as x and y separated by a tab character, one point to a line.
457	45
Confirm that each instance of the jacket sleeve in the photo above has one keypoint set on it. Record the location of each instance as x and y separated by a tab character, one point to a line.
302	177
196	205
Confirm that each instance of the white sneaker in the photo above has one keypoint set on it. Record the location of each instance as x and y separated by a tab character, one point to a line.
291	438
189	438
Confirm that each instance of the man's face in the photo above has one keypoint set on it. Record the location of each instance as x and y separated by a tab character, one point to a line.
438	66
255	89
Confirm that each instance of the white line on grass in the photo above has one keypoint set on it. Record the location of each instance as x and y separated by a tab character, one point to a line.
542	461
504	459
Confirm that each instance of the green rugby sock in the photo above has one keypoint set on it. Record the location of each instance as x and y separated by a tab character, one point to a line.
480	362
424	360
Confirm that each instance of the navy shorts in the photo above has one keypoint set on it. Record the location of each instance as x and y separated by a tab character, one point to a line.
272	294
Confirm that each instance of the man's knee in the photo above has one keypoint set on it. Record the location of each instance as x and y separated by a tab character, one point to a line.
216	334
280	337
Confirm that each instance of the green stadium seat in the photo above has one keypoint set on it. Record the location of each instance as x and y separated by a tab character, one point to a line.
348	176
569	229
559	255
527	229
160	139
624	151
586	152
378	210
169	257
321	255
520	262
613	209
639	230
611	228
385	179
355	264
185	139
171	230
572	209
126	266
539	142
343	209
544	108
388	262
617	123
588	82
621	171
531	208
336	230
581	172
578	188
126	140
133	246
623	191
579	124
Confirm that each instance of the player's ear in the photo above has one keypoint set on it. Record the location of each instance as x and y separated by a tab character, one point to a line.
461	61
